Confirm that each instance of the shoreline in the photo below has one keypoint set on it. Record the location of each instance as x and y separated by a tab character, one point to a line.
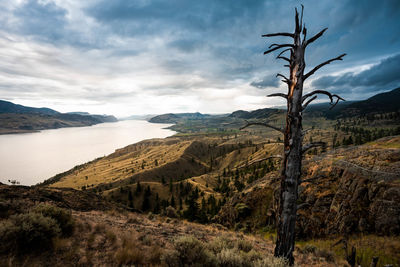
33	156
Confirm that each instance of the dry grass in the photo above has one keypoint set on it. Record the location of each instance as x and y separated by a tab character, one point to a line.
367	246
124	163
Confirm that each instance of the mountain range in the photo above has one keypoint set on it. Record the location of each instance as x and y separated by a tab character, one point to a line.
380	103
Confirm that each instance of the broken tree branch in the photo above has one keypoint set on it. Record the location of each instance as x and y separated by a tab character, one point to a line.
262	124
284	50
308	102
286	80
304	34
278	47
315	37
278	94
301	17
284	58
321	65
331	96
278	34
305	148
297	30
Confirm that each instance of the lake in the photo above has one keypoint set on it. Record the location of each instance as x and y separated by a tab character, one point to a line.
34	157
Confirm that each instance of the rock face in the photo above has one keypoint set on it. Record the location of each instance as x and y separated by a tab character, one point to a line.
345	191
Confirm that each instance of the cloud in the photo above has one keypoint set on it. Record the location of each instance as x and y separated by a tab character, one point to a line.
45	20
135	54
268	81
382	76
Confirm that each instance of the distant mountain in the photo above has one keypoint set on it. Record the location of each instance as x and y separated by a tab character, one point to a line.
79	113
384	102
138	117
9	107
256	114
176	117
18	119
380	103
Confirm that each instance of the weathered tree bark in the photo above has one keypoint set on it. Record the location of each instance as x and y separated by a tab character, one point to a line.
293	133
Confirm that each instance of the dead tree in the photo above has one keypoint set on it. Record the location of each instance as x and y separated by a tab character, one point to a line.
293	132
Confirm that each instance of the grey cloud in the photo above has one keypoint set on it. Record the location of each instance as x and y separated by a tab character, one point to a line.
381	76
216	42
268	81
187	45
45	20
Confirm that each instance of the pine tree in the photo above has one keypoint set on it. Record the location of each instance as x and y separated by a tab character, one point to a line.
173	201
138	188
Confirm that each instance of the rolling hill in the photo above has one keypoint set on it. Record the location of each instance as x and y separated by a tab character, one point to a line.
9	107
16	118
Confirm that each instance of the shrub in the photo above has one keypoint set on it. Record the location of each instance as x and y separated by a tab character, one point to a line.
63	217
128	256
128	253
243	210
192	252
221	251
28	232
309	249
271	262
219	243
328	255
100	228
111	237
244	245
230	258
170	258
171	212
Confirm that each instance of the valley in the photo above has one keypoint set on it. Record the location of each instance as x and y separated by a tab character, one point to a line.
214	178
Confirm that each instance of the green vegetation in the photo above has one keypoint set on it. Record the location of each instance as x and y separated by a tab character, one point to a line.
34	230
222	251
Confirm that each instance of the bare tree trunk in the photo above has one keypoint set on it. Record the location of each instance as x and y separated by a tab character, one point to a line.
291	170
293	133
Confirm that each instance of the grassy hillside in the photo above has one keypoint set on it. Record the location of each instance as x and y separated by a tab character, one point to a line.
102	233
228	179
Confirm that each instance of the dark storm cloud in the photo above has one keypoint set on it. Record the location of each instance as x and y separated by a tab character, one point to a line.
44	20
383	76
229	31
268	81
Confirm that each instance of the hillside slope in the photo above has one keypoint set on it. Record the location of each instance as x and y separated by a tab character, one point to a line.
107	235
348	192
345	191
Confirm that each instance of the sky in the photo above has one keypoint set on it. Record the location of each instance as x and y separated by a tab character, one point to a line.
126	57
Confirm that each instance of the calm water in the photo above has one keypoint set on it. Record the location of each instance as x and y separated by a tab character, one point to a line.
31	158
